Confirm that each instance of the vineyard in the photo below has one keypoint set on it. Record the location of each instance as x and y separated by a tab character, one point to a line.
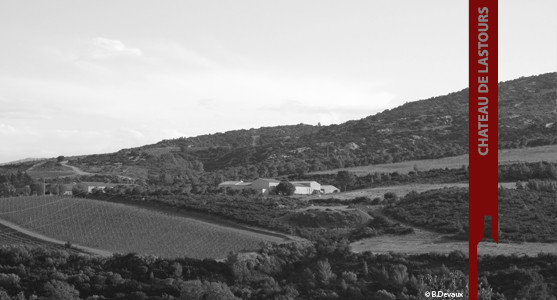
120	228
11	237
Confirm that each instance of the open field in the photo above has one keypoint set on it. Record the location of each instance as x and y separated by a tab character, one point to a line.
48	169
119	228
50	173
400	190
506	156
425	241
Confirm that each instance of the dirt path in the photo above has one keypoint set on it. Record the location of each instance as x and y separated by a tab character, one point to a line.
77	170
425	241
54	241
36	165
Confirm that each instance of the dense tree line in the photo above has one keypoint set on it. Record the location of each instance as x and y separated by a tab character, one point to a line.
526	171
287	271
525	215
14	184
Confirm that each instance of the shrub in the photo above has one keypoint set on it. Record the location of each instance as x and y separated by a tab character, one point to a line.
390	197
376	201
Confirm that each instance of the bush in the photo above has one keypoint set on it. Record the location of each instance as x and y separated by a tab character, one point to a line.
362	199
390	197
285	188
412	194
376	201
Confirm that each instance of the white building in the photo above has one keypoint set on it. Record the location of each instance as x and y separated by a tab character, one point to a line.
306	187
264	185
329	189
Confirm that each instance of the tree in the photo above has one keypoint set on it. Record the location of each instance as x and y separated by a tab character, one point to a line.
79	190
195	289
60	158
7	189
324	273
392	197
59	290
285	188
345	179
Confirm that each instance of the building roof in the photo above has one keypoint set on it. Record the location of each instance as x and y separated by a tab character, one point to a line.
329	186
231	182
95	183
268	179
306	183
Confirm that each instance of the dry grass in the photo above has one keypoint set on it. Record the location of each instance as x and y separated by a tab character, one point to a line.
50	173
424	242
534	154
158	151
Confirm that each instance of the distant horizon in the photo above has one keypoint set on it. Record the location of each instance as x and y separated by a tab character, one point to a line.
96	77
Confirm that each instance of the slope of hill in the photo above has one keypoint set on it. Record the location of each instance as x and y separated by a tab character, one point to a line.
120	228
425	129
19	161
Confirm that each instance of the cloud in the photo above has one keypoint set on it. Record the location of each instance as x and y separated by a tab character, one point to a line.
135	133
6	129
176	55
103	48
105	95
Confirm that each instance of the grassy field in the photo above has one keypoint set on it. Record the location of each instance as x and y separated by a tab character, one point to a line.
51	173
49	169
400	190
533	154
120	228
425	242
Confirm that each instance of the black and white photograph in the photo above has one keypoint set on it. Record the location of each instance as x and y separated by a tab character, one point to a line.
266	149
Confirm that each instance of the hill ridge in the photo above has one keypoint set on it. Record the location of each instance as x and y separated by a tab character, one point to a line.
425	129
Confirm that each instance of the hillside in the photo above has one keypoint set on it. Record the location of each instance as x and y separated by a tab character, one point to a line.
425	129
120	228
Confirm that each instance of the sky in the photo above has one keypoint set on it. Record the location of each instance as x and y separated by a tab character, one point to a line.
83	77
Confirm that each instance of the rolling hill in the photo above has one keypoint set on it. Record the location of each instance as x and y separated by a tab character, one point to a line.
425	129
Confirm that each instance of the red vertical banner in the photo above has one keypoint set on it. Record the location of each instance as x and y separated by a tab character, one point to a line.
483	157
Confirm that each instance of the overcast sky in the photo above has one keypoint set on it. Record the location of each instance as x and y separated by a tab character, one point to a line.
84	77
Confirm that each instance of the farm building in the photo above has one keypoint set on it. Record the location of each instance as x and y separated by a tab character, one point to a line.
265	185
94	185
306	187
329	189
234	185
